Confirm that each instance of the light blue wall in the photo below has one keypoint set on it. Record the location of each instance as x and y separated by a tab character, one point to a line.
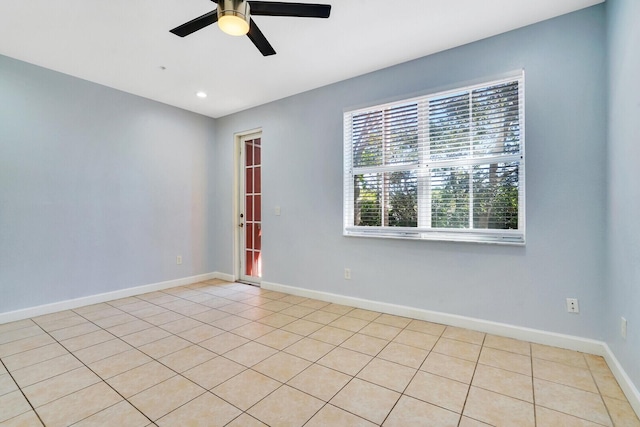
564	59
623	225
99	190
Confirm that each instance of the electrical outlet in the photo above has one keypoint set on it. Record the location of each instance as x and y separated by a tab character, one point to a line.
623	327
179	259
572	305
277	210
347	274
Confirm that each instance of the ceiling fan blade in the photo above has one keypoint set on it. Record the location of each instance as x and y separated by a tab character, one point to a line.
259	40
196	24
303	10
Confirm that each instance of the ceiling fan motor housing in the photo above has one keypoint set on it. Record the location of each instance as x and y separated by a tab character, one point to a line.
231	13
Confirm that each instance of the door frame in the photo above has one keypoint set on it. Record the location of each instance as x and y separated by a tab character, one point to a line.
238	200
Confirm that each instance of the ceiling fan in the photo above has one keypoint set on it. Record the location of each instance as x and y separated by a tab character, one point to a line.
234	18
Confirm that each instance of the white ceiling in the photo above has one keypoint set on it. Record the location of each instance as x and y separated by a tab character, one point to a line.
125	44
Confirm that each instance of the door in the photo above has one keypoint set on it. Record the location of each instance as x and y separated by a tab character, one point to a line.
250	212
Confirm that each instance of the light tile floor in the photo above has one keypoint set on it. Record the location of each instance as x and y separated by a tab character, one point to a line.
227	354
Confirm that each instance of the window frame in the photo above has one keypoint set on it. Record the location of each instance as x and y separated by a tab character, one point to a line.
424	168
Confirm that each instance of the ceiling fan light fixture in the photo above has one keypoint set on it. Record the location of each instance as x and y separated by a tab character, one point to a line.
233	17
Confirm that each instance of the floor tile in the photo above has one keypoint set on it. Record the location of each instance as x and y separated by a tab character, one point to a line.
181	325
246	420
314	303
349	323
250	353
129	328
230	322
607	384
365	344
119	363
497	409
87	340
470	422
504	382
387	374
466	335
505	360
323	317
206	410
297	311
302	327
159	400
380	330
449	367
571	401
320	382
18	324
31	357
201	333
366	400
25	344
391	320
286	407
13	404
164	318
255	313
164	346
363	314
47	369
279	339
79	405
286	368
253	330
410	412
146	336
347	361
404	354
508	344
457	349
26	419
246	389
214	372
119	319
187	358
61	385
282	366
329	415
141	378
426	327
331	335
309	349
438	390
337	309
102	351
223	343
554	354
7	384
121	414
277	320
621	412
548	417
568	375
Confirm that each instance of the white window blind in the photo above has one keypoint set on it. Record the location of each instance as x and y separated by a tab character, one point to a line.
446	166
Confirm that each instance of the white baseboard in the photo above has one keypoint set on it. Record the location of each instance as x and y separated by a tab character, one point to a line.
26	313
568	342
627	386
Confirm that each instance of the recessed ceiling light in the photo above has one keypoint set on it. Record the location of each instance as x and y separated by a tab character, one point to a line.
201	94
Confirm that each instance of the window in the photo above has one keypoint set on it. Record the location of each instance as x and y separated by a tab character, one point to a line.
446	166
